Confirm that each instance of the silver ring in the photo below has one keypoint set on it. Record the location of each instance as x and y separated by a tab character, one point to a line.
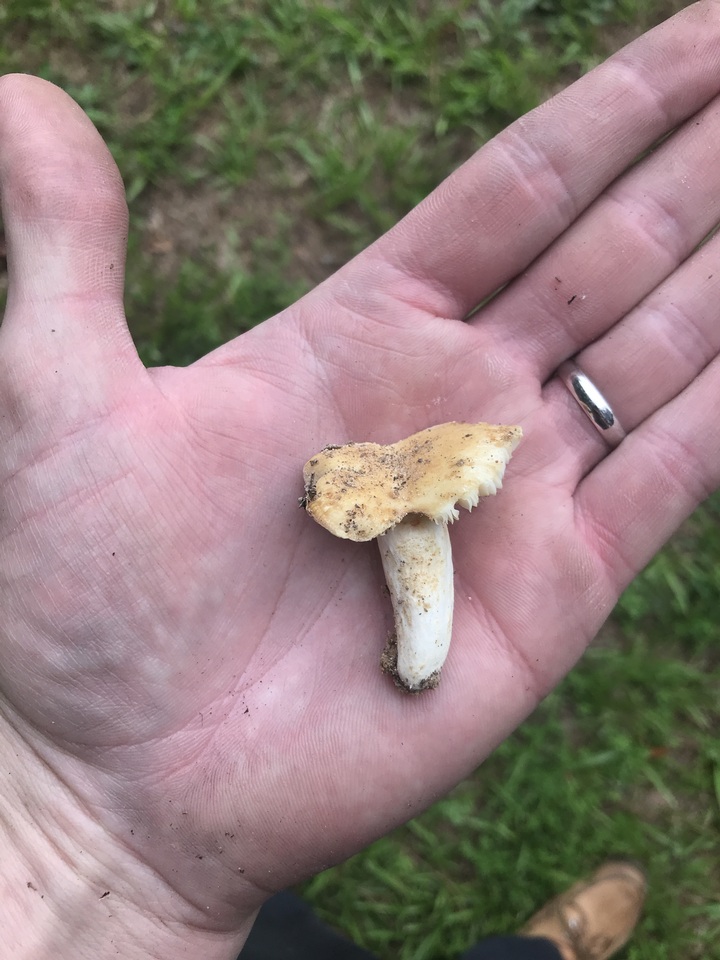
594	404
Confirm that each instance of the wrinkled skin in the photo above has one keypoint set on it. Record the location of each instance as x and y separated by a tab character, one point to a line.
189	680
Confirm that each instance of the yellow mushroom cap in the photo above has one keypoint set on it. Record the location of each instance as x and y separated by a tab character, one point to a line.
360	490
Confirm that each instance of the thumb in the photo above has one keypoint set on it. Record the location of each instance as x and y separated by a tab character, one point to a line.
63	204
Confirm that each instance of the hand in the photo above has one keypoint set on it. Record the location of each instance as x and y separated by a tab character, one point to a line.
192	710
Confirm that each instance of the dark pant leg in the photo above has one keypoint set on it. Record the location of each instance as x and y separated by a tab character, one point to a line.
287	929
513	948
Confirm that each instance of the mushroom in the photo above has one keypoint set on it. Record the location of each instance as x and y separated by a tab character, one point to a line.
405	494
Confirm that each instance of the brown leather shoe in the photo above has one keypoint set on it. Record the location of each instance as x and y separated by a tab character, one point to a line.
595	917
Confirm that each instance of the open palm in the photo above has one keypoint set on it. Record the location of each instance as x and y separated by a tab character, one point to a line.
193	662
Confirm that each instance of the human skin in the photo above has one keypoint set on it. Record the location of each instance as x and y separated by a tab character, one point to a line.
191	710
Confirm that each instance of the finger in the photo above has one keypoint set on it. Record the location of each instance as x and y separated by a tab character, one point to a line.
489	220
648	358
66	227
631	238
636	498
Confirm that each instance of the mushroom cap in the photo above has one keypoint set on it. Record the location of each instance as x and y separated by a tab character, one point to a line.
359	490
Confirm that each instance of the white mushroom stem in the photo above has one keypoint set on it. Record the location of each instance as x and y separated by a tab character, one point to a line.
417	560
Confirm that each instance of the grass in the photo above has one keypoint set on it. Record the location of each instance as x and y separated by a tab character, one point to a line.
262	144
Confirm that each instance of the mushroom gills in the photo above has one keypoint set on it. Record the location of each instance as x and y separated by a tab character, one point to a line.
417	560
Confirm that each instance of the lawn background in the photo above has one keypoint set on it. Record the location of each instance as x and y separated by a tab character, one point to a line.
262	144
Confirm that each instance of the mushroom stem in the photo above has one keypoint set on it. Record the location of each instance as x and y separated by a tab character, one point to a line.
417	560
